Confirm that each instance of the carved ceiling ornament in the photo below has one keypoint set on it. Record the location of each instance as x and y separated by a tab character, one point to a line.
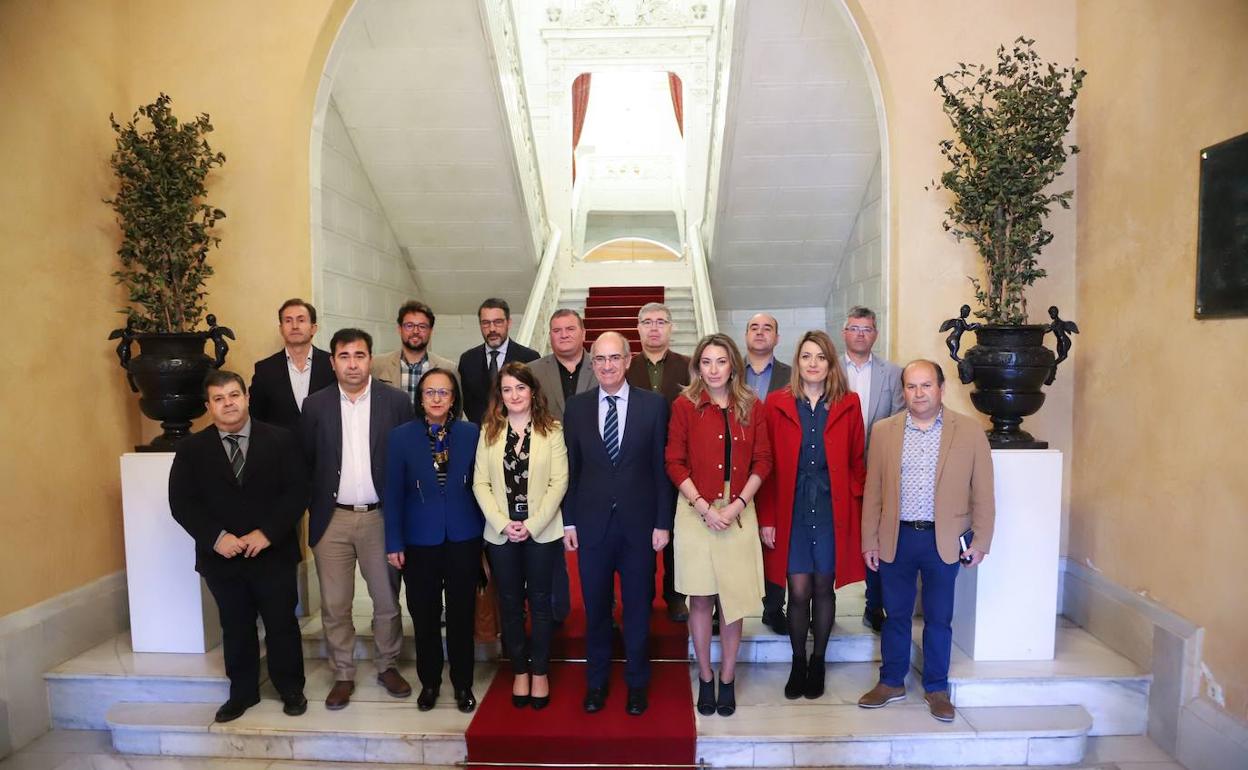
637	13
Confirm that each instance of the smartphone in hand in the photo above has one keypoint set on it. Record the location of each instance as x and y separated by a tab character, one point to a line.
964	543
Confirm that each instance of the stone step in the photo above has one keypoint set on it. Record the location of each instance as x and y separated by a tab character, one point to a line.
850	642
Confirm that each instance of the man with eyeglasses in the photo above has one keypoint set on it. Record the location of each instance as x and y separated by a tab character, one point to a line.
878	385
617	513
661	370
403	368
479	366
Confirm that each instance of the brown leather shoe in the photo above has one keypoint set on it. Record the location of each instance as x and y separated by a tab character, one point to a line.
881	695
938	703
339	695
394	683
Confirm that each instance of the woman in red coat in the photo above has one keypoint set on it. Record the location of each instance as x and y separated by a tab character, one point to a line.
810	508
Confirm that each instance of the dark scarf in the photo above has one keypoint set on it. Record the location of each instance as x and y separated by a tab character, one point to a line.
440	444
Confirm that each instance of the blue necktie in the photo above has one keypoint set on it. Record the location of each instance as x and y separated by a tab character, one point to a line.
611	431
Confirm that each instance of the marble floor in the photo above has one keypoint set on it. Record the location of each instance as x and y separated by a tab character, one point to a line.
91	750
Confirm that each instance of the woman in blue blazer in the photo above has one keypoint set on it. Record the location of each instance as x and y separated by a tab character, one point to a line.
433	532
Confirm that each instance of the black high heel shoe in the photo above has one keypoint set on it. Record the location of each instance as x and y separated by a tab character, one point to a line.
706	697
796	686
814	678
520	701
538	702
726	701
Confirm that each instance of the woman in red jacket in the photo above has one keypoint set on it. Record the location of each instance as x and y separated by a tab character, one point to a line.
718	456
810	509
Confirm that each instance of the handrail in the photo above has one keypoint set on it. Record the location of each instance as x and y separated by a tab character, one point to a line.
545	284
703	299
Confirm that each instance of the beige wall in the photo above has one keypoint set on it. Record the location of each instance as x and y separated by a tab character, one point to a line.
64	66
1160	496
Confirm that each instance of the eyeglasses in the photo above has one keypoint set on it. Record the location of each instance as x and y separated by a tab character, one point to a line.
498	322
655	322
615	358
411	327
436	393
860	329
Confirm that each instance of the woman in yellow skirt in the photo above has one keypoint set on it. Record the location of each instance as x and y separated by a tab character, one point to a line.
718	455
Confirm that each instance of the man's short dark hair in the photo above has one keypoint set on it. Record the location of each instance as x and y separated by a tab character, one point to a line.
219	378
296	302
414	306
859	311
940	373
565	312
496	304
347	336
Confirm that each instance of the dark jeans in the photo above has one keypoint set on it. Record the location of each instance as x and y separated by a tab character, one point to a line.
428	571
916	555
525	570
271	594
561	591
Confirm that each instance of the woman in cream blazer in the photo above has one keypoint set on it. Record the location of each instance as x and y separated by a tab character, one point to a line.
520	476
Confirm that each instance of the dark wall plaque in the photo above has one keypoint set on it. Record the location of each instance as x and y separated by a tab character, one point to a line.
1222	245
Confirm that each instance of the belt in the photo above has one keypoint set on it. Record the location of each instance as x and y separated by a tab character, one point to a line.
919	525
358	508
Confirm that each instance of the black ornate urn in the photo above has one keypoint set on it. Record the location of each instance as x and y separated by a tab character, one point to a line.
1009	365
169	374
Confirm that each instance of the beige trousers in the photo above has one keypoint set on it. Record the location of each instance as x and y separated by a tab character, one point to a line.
356	537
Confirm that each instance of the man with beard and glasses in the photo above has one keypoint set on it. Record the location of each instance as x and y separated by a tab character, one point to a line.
479	366
404	367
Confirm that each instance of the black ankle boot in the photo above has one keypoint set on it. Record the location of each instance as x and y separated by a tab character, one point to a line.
706	697
796	686
814	677
726	701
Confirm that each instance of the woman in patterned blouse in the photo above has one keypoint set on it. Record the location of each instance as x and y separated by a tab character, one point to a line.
520	477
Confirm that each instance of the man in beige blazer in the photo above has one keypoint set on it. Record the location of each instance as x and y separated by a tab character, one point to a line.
403	368
929	484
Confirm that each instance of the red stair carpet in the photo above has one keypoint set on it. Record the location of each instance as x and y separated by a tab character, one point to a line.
564	733
614	308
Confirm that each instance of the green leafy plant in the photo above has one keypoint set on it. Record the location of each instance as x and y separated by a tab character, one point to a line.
161	166
1009	122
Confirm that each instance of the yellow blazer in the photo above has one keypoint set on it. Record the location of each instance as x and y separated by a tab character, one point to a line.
548	480
964	493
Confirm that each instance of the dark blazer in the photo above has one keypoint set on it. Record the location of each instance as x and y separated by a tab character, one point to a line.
474	375
420	511
272	400
637	489
675	374
320	430
781	373
205	498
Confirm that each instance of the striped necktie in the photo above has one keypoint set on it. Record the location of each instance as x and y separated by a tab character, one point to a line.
237	458
611	430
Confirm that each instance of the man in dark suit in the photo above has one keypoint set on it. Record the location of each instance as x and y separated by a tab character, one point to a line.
344	432
618	512
765	374
238	487
479	366
661	370
283	380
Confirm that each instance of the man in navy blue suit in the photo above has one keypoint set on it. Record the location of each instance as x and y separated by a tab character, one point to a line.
618	512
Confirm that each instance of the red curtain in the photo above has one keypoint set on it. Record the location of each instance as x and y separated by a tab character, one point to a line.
580	101
678	101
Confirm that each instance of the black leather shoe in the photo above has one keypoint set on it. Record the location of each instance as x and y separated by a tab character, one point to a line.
520	701
814	678
777	622
873	618
637	701
726	699
677	610
427	699
465	701
595	699
539	702
796	686
233	709
706	697
294	705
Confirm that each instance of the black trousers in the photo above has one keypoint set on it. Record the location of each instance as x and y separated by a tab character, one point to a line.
773	597
524	571
669	574
429	571
271	594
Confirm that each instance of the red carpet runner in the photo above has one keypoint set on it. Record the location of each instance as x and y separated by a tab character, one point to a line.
564	733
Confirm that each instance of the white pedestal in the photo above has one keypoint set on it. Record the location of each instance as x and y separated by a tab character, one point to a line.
1006	608
171	609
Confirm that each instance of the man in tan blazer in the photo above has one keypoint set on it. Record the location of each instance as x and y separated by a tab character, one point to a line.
404	367
929	483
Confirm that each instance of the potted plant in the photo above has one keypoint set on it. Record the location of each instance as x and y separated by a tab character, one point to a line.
1010	123
166	234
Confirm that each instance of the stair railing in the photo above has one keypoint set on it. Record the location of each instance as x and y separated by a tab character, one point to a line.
542	298
703	299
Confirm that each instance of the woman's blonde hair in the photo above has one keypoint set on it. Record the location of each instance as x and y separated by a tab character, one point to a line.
741	397
836	385
495	422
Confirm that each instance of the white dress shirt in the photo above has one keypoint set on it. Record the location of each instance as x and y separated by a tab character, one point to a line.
299	381
355	479
860	382
621	407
